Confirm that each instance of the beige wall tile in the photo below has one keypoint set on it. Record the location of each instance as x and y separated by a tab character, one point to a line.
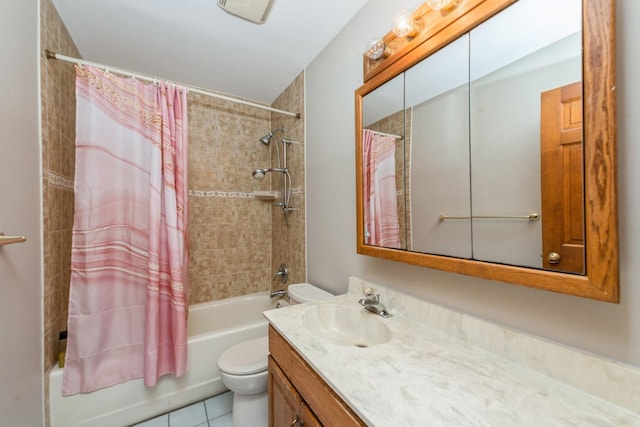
229	230
58	157
288	237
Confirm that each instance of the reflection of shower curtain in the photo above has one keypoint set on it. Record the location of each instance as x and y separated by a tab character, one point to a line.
127	304
380	200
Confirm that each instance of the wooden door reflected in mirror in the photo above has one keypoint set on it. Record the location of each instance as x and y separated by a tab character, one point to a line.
562	186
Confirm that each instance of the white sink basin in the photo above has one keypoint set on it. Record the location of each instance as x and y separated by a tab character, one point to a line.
346	325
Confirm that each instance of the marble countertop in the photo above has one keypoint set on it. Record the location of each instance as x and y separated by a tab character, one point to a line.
423	376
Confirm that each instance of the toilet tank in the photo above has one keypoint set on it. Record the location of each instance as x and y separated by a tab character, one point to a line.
305	292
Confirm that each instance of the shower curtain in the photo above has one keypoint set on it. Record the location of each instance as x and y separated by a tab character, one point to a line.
380	201
128	298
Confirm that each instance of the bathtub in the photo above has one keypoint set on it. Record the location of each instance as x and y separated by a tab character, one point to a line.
212	328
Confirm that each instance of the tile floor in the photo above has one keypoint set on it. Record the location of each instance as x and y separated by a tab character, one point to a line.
212	412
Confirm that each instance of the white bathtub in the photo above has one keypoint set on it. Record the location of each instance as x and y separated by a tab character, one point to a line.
212	328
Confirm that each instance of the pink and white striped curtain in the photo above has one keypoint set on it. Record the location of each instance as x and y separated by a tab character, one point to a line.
381	224
128	298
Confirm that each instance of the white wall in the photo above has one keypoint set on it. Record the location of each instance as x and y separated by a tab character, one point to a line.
608	329
21	382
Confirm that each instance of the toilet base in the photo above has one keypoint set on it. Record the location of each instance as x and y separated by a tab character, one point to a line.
250	410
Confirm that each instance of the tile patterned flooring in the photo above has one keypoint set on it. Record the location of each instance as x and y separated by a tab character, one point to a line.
212	412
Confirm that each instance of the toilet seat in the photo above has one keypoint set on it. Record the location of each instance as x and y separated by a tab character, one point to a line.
245	358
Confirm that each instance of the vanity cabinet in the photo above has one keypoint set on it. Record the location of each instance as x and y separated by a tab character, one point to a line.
297	395
287	406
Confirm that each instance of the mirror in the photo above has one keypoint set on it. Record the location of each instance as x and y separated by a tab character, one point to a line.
385	219
516	57
498	164
438	104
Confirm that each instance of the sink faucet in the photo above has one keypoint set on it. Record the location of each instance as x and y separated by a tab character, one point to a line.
371	302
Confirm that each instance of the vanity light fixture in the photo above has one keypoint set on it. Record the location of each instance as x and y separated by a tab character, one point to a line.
404	25
375	48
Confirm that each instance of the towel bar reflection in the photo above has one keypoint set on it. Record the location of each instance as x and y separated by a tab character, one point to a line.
7	240
387	134
531	217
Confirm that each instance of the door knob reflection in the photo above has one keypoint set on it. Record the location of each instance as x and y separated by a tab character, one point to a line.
553	258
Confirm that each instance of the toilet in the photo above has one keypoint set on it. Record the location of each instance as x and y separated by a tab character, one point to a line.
304	292
243	367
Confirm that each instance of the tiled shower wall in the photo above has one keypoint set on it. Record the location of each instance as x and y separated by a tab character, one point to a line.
289	237
230	231
58	158
235	239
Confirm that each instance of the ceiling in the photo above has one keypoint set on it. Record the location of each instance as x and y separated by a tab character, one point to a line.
197	43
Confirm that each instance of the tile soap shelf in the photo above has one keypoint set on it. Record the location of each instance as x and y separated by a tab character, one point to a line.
265	195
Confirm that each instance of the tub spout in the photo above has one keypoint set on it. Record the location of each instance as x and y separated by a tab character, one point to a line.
278	294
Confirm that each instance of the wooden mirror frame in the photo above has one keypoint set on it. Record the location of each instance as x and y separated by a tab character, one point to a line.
601	280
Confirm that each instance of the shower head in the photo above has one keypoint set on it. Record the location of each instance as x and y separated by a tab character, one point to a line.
260	173
266	140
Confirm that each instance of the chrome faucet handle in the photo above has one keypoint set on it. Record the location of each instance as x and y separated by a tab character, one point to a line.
369	297
282	273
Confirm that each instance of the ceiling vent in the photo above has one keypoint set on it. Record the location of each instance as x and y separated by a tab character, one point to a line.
252	10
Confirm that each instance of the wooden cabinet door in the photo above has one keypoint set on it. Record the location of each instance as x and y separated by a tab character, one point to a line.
307	417
562	179
284	400
326	405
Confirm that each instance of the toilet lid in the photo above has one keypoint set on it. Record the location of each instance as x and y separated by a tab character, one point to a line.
247	357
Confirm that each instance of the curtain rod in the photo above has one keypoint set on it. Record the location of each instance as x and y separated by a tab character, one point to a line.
386	134
59	57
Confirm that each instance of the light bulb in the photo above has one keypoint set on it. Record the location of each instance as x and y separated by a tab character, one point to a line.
375	48
441	4
404	25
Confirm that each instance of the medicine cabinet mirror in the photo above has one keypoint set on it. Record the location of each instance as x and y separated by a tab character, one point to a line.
488	148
